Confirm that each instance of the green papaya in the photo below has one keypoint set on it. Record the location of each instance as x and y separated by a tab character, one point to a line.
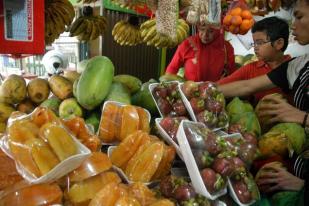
144	99
171	77
75	87
248	120
52	103
133	83
237	106
119	93
95	82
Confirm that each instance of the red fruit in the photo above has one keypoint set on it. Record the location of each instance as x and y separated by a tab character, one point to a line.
167	186
172	90
211	144
223	166
184	192
238	162
242	192
167	123
197	104
249	137
202	158
213	106
164	106
207	89
235	128
190	89
208	118
212	181
248	152
160	92
179	108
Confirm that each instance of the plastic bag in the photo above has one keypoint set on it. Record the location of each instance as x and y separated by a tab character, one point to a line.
43	149
214	13
89	178
238	19
79	128
23	193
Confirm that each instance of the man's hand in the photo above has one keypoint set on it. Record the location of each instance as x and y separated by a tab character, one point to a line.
280	111
279	179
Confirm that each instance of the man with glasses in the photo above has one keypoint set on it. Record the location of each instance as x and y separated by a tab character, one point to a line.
270	37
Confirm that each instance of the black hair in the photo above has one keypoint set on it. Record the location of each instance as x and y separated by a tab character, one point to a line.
275	28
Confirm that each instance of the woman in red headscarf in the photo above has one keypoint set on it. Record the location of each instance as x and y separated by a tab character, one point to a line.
205	56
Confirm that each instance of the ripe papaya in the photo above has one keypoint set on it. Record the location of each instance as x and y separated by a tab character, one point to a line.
95	82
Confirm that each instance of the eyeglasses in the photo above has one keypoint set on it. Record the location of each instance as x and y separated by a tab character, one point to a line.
259	43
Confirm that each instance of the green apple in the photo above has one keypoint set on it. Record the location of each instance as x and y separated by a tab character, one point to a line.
70	108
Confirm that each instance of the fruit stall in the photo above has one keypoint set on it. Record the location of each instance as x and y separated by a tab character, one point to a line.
99	136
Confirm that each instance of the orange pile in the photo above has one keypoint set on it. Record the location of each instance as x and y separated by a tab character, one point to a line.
238	21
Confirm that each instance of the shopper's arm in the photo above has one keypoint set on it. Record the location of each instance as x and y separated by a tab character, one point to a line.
281	111
246	87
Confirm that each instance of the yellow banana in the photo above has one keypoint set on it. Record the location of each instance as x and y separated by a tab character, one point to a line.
76	25
184	25
95	32
147	24
150	34
116	27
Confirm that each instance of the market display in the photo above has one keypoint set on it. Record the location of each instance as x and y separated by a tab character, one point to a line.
90	137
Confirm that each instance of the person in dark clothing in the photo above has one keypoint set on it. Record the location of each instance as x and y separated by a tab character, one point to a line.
292	77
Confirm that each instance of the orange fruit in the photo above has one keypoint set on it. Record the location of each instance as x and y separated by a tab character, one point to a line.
234	29
236	20
245	25
227	20
246	14
236	11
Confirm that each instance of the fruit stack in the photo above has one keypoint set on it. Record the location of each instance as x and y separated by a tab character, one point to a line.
143	157
207	103
217	159
238	21
38	142
178	189
170	126
168	99
118	121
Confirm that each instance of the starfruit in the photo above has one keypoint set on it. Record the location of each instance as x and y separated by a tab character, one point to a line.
146	163
43	115
93	143
127	201
42	155
143	120
96	163
108	124
59	140
127	148
166	162
19	132
129	122
109	195
142	193
82	192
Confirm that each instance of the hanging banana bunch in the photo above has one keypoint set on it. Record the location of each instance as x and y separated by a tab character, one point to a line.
126	33
88	27
151	37
59	14
86	1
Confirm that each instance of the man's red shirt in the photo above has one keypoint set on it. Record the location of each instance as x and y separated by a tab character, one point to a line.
250	71
203	62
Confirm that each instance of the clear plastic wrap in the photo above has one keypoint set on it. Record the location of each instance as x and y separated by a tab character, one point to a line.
83	133
168	100
43	149
119	120
204	103
23	193
142	158
204	180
